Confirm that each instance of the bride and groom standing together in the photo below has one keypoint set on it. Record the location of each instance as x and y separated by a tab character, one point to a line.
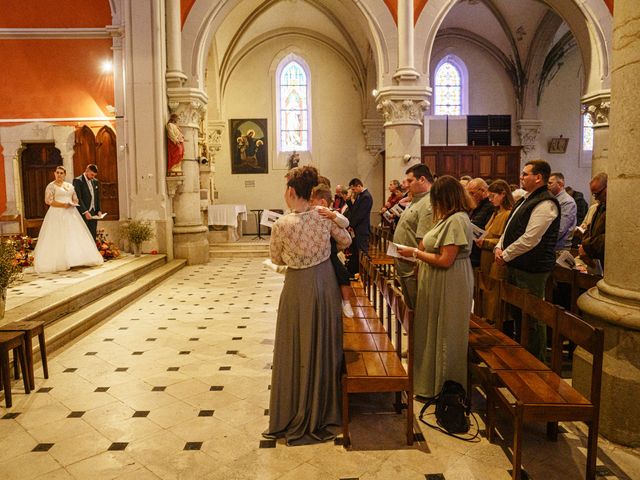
68	233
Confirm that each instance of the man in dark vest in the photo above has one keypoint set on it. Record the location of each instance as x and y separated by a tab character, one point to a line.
527	246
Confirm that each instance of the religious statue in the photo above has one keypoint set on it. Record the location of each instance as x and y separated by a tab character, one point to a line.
175	147
294	160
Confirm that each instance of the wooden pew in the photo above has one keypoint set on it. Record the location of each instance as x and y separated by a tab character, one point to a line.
526	388
372	362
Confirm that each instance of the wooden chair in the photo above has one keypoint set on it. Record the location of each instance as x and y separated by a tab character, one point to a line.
30	329
8	219
12	341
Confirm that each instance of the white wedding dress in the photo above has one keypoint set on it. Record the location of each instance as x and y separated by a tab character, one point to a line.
64	240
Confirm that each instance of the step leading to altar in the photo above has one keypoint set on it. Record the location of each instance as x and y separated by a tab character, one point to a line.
72	302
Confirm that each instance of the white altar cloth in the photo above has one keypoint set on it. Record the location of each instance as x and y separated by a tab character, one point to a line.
226	214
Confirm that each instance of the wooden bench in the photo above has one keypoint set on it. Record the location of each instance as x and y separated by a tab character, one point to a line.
371	362
575	283
525	387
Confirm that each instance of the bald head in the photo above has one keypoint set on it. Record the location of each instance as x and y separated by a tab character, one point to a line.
478	189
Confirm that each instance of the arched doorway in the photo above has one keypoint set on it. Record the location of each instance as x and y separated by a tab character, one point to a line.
99	149
38	161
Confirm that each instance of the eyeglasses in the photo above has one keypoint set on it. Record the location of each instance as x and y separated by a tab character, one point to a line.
595	194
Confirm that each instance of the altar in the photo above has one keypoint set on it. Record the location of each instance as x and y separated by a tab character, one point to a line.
227	220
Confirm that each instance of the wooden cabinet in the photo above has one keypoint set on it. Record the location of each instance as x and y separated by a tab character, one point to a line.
476	161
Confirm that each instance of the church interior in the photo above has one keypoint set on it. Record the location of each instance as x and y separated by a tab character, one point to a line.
159	364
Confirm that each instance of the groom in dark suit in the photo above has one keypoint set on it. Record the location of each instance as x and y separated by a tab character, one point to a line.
359	215
88	192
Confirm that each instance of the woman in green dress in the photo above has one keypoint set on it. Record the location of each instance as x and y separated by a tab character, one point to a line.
445	290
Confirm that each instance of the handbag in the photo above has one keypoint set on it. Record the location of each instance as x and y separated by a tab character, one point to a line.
452	411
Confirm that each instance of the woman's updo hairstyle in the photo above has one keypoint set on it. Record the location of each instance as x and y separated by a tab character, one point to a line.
303	179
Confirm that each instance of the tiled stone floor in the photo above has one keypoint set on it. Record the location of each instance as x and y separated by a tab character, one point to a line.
177	386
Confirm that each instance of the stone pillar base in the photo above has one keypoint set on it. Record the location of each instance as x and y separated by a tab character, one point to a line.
191	243
619	406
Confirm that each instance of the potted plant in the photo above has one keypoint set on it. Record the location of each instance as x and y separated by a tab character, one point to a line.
137	231
10	270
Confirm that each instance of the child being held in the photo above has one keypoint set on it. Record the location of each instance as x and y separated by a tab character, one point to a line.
321	198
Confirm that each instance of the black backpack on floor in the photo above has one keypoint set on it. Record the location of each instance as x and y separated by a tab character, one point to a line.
452	411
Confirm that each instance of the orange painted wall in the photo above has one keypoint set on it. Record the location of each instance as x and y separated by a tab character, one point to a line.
610	5
3	193
185	8
54	13
55	78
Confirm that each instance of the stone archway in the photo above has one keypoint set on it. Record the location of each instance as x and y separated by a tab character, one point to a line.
589	20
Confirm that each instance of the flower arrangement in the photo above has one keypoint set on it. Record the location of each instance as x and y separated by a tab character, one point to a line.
9	268
106	247
137	231
24	246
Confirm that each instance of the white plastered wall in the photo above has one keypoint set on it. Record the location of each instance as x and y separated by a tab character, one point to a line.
490	89
559	111
336	124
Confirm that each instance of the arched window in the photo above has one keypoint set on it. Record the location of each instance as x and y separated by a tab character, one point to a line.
450	92
293	105
587	132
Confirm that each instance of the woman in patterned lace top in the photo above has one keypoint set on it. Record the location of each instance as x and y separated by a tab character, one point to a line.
307	358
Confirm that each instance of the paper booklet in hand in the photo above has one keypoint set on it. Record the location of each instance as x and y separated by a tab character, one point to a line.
268	218
477	232
99	217
392	251
566	260
396	210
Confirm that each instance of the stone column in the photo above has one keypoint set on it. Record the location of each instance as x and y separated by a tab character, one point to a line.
402	108
189	234
175	76
614	304
406	67
117	33
215	135
597	105
528	131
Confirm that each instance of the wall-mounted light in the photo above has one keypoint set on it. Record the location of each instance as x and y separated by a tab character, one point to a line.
374	92
107	66
406	157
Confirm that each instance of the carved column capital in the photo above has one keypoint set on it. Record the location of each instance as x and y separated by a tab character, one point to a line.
173	184
373	130
597	106
190	106
215	134
528	131
403	105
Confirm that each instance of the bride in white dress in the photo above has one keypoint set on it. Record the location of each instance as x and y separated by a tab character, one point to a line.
64	240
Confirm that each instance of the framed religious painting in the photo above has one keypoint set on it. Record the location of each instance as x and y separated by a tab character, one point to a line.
249	147
558	145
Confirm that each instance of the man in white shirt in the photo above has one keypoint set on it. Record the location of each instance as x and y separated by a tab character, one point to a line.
527	246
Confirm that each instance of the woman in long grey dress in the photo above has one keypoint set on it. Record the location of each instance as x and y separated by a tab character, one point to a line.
445	291
307	358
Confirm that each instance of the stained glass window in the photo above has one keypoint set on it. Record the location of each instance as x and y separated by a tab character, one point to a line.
448	90
294	110
587	132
